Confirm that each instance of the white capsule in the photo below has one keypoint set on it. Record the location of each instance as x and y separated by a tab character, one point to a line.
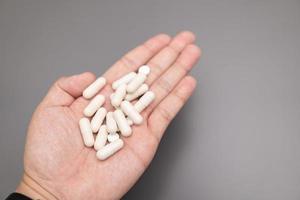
98	119
101	138
145	69
86	132
111	96
94	88
129	121
140	91
121	120
94	105
118	96
109	149
113	137
135	83
131	112
144	101
123	80
111	124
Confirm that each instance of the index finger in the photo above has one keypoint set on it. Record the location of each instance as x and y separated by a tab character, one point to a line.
136	57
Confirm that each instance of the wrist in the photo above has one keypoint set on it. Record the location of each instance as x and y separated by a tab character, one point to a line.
30	188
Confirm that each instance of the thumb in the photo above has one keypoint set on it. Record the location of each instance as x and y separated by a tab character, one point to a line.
66	89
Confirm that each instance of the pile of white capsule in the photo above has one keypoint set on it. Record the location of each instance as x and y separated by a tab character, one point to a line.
109	125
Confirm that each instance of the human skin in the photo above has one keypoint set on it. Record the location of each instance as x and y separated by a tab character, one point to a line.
57	165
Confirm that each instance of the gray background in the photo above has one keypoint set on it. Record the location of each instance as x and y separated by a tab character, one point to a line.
239	135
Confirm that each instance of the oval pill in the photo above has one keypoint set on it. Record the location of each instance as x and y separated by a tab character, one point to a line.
94	88
144	101
109	149
118	96
140	91
123	80
86	132
131	112
121	120
94	105
136	82
145	69
101	138
98	119
113	137
111	124
111	96
129	121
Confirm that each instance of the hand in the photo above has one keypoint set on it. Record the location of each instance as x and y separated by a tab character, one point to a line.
56	163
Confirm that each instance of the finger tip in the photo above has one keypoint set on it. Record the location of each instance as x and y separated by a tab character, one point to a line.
188	35
164	37
195	50
157	42
88	75
190	56
191	81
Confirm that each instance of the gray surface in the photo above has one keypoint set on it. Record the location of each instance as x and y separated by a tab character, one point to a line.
238	137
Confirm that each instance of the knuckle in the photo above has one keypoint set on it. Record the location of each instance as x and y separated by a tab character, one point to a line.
127	62
165	114
180	97
164	85
59	81
181	67
149	48
173	49
156	69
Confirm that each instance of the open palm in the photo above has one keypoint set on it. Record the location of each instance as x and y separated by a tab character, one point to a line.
55	157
